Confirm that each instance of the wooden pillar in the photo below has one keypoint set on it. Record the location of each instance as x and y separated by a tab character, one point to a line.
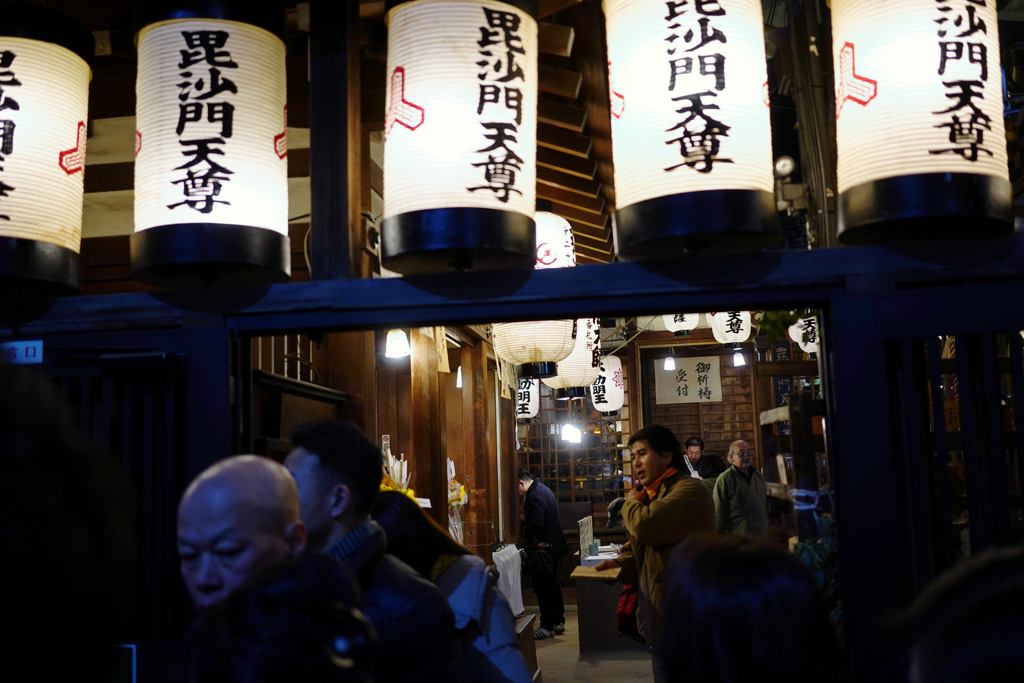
352	369
335	143
481	524
429	464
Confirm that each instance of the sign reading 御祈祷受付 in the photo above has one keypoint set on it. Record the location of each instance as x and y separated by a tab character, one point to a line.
695	380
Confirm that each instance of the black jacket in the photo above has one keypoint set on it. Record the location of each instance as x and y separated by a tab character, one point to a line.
710	466
542	524
413	621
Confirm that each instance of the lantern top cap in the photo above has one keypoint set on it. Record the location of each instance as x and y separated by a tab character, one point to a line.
531	7
266	14
48	25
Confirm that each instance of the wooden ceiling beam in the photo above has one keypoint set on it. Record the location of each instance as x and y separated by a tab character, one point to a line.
589	249
562	140
558	161
555	39
564	181
555	81
587	260
574	199
562	115
594	220
549	7
591	231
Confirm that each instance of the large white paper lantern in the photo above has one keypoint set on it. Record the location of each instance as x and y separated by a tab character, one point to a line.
556	244
608	392
681	323
44	95
581	367
691	133
805	333
460	136
535	346
730	327
919	120
211	169
528	399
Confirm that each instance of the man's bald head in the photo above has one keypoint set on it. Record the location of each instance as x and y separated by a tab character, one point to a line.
237	521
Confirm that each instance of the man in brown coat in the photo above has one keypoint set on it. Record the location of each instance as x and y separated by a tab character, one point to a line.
668	507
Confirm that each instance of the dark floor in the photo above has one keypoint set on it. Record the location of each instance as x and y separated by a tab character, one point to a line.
560	660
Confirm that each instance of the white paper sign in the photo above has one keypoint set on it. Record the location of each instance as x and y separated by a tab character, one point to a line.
22	352
695	380
586	529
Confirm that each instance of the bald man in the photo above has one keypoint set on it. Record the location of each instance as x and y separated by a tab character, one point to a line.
741	507
237	522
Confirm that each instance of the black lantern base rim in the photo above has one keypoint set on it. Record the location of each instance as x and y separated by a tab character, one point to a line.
682	333
537	370
464	238
696	223
209	254
31	269
926	207
269	15
570	393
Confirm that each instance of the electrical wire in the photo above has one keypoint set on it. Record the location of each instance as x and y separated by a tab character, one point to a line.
625	343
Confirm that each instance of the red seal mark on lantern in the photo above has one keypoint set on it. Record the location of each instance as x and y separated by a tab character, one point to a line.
73	160
138	143
851	86
281	140
545	255
617	378
401	110
767	93
616	101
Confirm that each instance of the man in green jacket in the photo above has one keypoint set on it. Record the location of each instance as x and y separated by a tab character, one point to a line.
668	507
740	504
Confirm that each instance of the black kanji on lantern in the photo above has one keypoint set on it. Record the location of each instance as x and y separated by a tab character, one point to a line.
964	122
7	126
499	44
204	177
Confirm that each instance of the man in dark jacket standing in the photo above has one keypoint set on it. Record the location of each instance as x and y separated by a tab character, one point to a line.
338	472
543	528
707	467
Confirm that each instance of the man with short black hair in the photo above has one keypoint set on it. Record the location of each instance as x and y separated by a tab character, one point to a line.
707	466
338	472
542	527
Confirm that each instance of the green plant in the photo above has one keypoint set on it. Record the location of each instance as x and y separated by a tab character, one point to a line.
821	555
775	324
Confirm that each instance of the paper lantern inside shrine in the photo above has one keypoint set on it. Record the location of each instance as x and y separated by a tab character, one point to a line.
805	333
527	399
211	169
691	133
460	136
681	324
581	367
608	392
556	244
730	327
919	120
44	84
536	346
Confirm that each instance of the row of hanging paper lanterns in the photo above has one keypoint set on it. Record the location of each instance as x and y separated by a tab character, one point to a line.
690	131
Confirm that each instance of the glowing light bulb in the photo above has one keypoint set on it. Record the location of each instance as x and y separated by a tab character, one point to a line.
670	364
458	378
397	345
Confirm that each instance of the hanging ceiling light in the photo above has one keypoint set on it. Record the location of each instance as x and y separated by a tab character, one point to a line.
537	346
691	132
581	367
397	344
681	324
43	114
670	361
919	120
738	359
460	135
572	434
211	167
458	378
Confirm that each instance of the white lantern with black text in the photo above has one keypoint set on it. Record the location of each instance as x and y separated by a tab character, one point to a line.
919	120
44	95
681	323
528	399
556	244
460	136
608	392
730	327
211	169
691	132
805	333
581	367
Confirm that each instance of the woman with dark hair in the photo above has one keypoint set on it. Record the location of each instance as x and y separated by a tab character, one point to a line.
738	610
295	627
488	647
668	507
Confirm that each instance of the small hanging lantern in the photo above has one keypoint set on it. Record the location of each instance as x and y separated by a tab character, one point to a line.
608	392
691	133
805	333
919	120
211	169
681	324
581	367
537	346
528	399
730	327
460	135
44	97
